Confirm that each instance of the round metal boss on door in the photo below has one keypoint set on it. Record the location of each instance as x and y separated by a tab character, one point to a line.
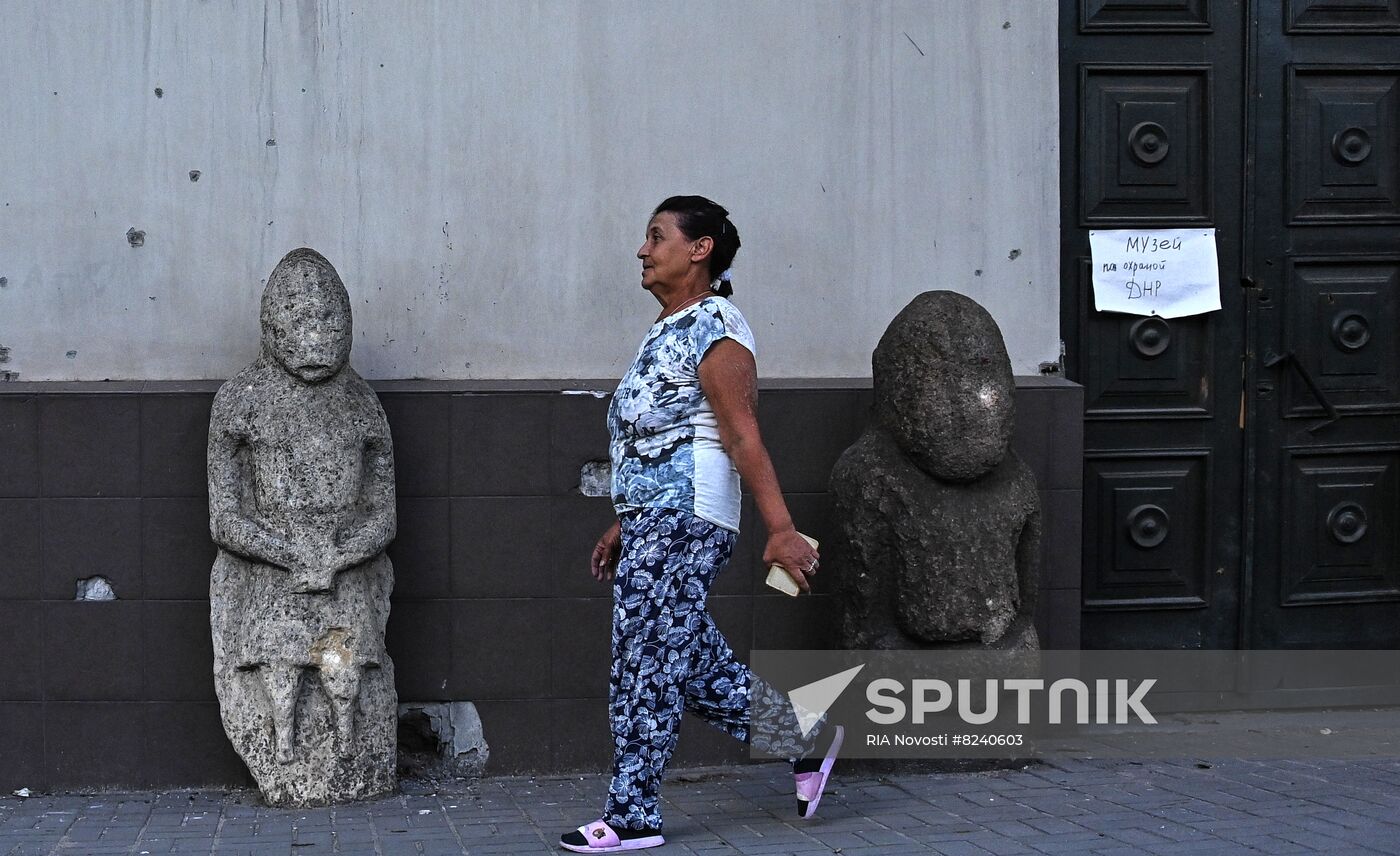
1347	522
1148	142
1148	525
1150	337
1350	330
1351	145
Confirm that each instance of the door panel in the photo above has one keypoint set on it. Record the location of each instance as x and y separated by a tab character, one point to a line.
1342	316
1138	367
1341	165
1343	16
1127	16
1156	144
1343	546
1324	416
1145	151
1154	555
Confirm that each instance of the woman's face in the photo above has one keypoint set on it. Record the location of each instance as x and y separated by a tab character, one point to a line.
666	254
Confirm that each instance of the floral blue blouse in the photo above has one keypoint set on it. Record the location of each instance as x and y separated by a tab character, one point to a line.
665	449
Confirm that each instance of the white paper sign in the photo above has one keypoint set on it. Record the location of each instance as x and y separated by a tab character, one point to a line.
1166	272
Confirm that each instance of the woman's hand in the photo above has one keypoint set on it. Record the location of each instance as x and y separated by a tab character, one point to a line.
794	554
605	553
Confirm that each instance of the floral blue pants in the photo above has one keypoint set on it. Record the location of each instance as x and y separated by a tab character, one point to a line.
668	656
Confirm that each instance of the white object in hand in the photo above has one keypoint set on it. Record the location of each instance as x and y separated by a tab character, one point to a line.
781	580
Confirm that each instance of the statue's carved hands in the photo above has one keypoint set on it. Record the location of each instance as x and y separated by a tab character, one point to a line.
353	543
313	579
315	564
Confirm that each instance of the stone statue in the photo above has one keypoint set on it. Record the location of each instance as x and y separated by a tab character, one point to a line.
938	521
301	506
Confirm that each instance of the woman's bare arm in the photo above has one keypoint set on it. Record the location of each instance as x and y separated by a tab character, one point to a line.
729	379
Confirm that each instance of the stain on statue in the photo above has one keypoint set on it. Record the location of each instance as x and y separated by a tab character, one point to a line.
938	520
301	506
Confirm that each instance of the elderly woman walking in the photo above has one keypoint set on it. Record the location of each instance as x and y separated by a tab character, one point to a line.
684	428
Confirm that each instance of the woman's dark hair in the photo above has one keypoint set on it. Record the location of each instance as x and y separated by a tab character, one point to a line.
699	218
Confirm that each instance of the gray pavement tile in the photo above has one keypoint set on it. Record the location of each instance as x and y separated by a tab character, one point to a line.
778	848
958	848
1001	814
1139	838
1000	844
884	836
245	840
1202	848
1388	843
83	832
1194	811
28	848
1261	839
907	821
1218	818
1068	806
1179	833
511	849
1286	846
1329	822
1075	842
1015	828
827	823
1052	826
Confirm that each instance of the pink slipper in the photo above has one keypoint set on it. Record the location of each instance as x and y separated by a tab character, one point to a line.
598	837
811	785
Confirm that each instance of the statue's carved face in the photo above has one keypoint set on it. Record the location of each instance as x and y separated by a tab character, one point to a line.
943	386
306	325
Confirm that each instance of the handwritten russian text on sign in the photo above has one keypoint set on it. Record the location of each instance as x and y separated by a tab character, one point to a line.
1166	272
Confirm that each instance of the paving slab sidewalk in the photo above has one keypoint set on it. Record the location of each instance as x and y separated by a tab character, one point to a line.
1080	807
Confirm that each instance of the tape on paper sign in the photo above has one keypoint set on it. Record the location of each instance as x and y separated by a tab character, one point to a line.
1165	272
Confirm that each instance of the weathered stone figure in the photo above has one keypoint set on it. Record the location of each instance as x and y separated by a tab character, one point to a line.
301	505
938	520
